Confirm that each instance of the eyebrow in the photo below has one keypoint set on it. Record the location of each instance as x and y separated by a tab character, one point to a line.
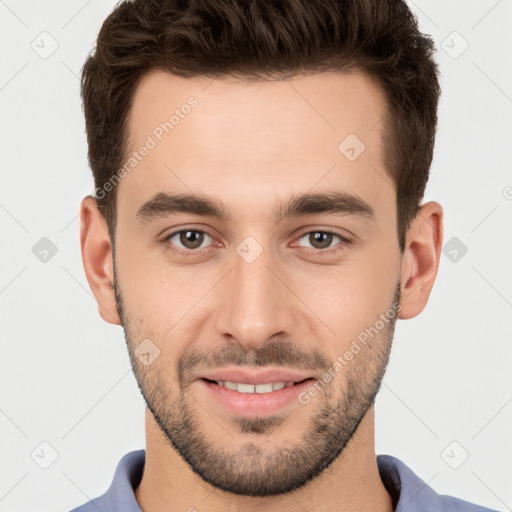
336	202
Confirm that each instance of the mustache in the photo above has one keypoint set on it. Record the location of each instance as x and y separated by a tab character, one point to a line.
279	353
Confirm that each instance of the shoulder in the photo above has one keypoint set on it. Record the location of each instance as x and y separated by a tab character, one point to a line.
412	494
92	506
120	495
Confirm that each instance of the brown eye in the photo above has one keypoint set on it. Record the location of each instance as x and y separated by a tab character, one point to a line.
322	241
189	239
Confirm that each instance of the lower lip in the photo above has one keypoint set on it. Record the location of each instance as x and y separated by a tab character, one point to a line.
254	404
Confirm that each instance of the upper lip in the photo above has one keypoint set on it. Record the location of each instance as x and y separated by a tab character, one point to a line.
255	376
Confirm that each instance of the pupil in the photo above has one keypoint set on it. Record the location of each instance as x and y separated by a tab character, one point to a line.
323	239
191	239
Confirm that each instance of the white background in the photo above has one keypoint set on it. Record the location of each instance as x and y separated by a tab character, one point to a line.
64	373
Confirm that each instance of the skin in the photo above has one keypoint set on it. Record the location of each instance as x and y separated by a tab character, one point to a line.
252	146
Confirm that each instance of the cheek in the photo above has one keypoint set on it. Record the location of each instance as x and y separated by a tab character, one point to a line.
350	298
161	301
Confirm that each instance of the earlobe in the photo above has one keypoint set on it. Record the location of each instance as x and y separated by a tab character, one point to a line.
97	258
421	257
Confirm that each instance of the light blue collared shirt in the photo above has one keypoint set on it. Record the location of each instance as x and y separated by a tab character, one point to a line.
408	491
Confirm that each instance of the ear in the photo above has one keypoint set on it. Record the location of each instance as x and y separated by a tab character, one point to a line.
97	259
420	260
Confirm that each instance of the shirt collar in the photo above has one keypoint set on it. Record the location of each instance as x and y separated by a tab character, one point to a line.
407	490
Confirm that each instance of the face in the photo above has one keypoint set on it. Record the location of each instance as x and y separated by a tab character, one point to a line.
257	244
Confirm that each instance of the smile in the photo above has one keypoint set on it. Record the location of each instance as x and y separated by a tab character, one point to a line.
254	400
254	388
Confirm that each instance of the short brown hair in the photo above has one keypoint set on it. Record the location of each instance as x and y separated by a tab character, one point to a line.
266	39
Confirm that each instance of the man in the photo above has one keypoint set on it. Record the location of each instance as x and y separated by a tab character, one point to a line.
257	229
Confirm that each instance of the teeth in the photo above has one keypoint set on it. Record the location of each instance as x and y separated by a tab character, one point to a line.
255	388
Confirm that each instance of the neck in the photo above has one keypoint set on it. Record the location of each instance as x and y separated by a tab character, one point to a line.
350	483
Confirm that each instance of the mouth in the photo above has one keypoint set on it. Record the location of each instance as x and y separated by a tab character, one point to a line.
263	388
248	400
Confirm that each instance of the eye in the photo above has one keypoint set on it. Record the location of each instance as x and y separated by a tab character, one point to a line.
322	239
188	240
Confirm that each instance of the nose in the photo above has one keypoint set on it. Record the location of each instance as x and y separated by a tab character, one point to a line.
255	303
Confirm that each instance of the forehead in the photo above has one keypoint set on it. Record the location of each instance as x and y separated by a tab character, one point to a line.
227	137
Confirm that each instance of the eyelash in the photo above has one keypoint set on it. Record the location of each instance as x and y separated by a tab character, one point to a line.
193	252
